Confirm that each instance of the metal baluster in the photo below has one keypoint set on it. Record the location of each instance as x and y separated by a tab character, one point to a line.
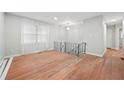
73	48
78	50
84	48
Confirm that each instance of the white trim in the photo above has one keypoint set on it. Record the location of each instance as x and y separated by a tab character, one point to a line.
104	52
11	56
6	69
99	55
1	61
16	55
115	48
51	49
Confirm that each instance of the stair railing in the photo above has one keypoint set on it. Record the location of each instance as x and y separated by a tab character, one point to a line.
71	48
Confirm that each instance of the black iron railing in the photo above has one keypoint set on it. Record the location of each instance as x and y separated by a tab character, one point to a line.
71	48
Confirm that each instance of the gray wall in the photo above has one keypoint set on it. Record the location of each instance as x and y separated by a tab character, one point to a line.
13	33
2	47
92	32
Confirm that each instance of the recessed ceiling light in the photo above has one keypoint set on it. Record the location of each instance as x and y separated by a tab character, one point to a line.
55	18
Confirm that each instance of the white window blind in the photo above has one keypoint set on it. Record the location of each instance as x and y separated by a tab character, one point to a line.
35	37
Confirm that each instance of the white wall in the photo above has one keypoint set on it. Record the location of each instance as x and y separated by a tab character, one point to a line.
13	33
105	36
2	46
59	33
117	37
92	32
123	35
73	34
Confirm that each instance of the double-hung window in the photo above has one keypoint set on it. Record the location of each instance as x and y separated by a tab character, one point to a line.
34	36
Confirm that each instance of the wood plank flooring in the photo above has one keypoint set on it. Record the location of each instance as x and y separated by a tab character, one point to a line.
53	65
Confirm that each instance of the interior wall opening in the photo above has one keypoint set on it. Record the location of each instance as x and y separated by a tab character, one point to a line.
114	35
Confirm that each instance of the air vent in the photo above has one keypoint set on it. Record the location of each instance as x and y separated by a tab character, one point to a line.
3	66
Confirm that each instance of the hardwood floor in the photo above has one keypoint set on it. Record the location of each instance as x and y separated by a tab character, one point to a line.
52	65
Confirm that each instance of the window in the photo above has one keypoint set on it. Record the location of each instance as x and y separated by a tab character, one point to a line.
34	36
42	34
28	33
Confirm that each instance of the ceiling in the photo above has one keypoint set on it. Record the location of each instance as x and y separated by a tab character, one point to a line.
114	23
62	16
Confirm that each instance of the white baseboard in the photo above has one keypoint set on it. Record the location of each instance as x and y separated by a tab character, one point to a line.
51	49
99	55
16	55
104	52
11	56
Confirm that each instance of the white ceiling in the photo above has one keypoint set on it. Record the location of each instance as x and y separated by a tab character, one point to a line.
114	23
62	16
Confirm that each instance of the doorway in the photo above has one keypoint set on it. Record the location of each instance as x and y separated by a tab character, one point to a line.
114	35
110	36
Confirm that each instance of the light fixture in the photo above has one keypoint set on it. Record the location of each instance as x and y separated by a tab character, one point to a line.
113	20
55	18
67	28
67	23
